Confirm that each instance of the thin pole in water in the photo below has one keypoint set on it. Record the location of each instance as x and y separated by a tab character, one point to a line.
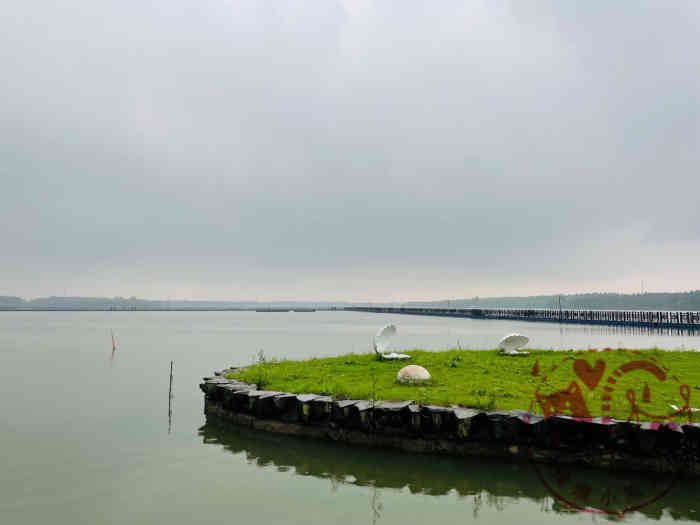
114	345
170	400
560	308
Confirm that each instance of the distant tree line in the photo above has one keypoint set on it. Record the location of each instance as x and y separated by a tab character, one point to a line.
124	303
593	301
78	302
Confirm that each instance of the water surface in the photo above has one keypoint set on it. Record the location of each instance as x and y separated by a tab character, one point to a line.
85	437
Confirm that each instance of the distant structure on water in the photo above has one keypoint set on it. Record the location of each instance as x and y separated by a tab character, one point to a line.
640	318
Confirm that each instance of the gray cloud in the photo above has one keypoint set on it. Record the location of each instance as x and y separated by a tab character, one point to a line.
396	150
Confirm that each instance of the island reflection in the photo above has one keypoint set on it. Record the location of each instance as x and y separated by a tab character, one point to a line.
488	482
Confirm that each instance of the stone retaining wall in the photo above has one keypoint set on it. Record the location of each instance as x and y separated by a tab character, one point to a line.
458	431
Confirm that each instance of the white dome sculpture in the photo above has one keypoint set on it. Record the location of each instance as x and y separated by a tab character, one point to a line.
510	344
382	340
412	374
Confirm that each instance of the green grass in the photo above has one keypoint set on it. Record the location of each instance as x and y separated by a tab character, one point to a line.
486	380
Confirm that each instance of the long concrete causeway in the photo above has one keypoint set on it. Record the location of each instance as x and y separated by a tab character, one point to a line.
642	318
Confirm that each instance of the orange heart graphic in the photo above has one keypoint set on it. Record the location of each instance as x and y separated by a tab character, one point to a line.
590	375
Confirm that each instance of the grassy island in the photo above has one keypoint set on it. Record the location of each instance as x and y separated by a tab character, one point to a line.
608	381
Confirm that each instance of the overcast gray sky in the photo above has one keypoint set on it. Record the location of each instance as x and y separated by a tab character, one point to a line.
348	150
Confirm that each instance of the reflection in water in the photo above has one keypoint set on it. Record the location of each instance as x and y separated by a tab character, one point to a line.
376	505
599	492
484	482
610	330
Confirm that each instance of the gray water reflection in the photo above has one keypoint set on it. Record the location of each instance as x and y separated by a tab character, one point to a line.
480	482
84	429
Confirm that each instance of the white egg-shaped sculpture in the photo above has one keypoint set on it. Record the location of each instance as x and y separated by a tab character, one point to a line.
510	344
413	374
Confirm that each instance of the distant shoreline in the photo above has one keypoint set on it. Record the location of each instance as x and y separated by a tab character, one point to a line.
647	301
174	309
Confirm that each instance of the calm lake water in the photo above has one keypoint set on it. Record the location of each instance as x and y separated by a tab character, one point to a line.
85	438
